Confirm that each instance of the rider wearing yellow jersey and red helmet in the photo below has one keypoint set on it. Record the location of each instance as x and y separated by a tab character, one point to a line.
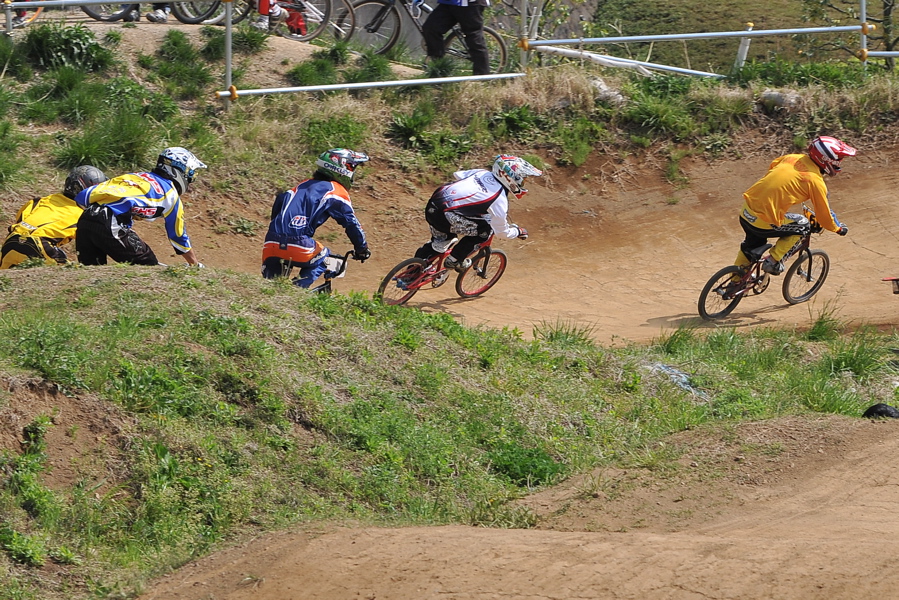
791	179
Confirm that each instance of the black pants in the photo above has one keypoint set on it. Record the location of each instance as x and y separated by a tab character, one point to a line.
19	248
795	225
101	235
447	225
471	21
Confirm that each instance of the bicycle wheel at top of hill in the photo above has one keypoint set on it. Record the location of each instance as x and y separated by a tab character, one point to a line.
306	19
240	10
485	270
378	25
719	298
806	276
343	24
194	13
496	48
109	12
402	281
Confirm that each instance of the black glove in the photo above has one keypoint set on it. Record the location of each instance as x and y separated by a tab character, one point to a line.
362	255
843	230
522	233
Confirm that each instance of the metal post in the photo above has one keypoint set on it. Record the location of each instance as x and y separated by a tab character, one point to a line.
7	8
523	33
862	17
229	11
743	50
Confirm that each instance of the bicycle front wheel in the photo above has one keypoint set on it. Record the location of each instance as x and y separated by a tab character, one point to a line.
806	276
402	282
194	13
496	49
721	294
485	270
377	26
306	19
239	11
109	12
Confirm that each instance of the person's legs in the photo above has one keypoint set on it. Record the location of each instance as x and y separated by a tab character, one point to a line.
471	22
309	272
435	27
789	232
755	238
100	235
441	233
17	249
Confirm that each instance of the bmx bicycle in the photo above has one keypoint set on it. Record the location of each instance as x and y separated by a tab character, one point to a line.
336	268
413	274
802	280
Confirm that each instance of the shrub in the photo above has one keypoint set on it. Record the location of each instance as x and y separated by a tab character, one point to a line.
52	45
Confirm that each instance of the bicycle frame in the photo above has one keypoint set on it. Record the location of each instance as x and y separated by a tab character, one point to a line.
325	287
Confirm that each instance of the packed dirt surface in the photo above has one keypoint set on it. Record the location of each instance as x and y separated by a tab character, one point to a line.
792	508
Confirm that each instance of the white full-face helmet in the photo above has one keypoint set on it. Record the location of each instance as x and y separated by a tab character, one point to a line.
511	171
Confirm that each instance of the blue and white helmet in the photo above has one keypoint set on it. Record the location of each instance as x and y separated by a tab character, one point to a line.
182	160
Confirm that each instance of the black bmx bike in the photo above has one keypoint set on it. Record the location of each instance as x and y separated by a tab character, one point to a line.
802	280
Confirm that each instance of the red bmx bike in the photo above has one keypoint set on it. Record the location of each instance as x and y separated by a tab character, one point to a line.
413	274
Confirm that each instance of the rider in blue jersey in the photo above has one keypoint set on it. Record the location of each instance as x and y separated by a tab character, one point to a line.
104	229
298	213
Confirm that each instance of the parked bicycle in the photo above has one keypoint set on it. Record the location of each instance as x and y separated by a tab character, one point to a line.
413	274
802	280
379	27
189	13
299	13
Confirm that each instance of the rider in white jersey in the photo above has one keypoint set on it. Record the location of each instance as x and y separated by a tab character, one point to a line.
473	206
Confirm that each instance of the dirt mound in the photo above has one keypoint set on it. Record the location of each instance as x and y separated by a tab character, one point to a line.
789	508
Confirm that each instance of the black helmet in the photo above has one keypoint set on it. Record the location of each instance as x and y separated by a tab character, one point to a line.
80	178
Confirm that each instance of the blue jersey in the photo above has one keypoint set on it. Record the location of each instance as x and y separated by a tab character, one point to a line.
298	213
145	196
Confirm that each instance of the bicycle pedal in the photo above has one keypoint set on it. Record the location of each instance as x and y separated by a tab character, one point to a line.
440	279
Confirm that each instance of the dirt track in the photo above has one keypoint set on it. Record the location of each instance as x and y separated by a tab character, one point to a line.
627	254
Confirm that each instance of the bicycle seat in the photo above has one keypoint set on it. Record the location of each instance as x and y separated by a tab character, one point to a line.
755	254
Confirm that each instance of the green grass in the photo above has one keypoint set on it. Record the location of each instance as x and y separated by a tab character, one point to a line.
385	415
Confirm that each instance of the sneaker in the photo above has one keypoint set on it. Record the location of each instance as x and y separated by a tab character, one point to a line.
275	20
260	23
772	266
18	22
132	17
157	16
450	262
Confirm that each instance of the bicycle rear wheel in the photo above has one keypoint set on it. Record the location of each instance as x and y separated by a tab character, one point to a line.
485	270
306	19
720	295
496	48
378	26
806	276
109	12
343	25
194	13
402	282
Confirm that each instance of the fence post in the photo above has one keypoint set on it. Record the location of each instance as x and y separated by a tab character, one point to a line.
743	50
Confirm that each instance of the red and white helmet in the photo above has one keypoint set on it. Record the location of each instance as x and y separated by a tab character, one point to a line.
511	171
828	152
